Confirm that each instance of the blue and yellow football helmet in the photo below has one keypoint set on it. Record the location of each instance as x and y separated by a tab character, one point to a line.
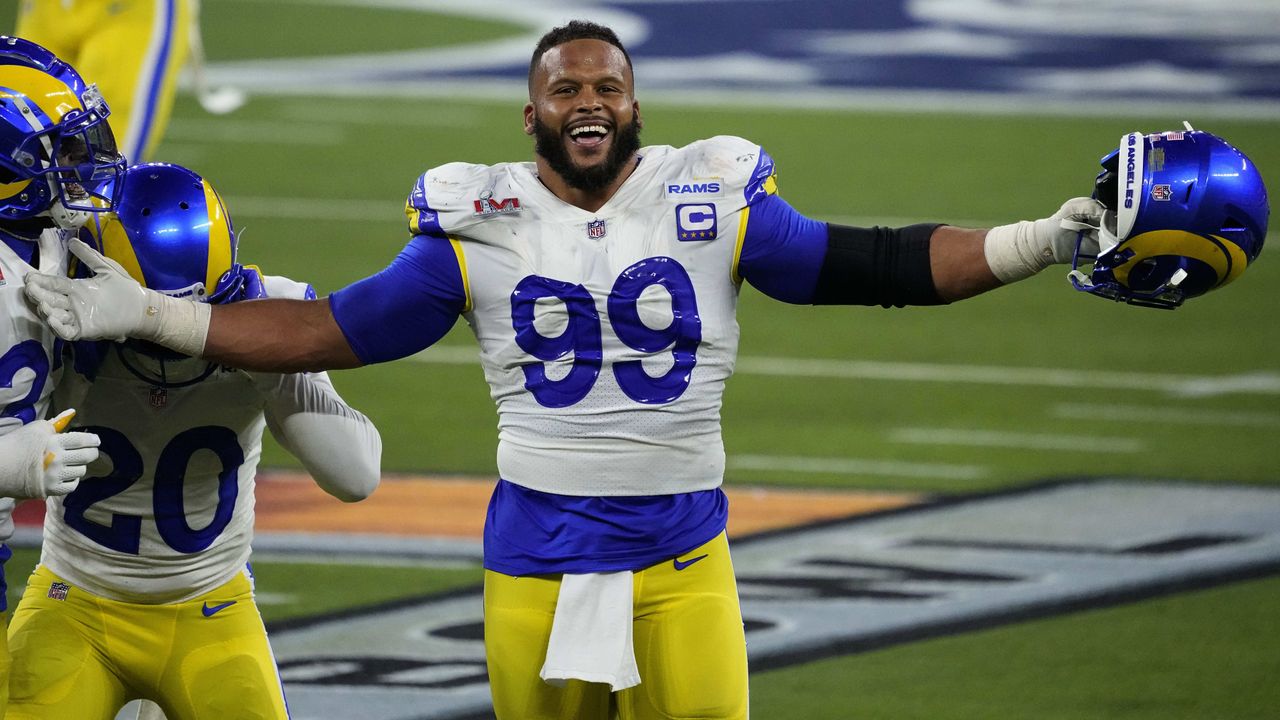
171	232
1186	213
57	152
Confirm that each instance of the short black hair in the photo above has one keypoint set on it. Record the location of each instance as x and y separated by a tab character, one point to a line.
575	30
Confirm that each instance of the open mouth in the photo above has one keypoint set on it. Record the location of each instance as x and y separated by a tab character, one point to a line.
74	191
589	136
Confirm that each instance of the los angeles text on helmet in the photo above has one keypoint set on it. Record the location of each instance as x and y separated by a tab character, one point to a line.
1131	166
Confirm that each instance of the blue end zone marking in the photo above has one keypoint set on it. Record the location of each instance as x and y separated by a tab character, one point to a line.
974	55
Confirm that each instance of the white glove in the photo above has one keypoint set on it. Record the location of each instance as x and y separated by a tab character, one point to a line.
39	460
1025	248
113	306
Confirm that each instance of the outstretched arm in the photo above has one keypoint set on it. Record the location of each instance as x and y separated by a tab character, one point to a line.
795	259
958	263
277	336
397	312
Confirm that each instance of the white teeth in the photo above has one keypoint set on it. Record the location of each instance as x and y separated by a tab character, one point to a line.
588	128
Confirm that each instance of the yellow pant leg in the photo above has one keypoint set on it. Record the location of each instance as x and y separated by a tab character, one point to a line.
517	627
133	49
689	640
58	27
60	669
4	662
221	665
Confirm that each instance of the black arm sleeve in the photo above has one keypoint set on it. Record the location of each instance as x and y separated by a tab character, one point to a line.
877	266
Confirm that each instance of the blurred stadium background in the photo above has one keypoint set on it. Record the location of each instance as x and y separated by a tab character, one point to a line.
975	112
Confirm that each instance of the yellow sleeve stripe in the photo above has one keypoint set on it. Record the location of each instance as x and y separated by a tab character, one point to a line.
743	216
411	214
462	268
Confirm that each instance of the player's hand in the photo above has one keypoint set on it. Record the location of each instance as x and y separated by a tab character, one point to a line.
108	306
1025	248
1077	218
39	460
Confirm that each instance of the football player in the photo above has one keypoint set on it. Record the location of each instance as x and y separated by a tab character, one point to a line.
143	588
601	282
56	154
133	49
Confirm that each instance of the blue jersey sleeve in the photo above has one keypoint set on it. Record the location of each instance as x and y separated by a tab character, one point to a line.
782	251
406	307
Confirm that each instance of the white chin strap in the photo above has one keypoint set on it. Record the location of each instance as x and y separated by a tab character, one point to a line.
68	219
1108	238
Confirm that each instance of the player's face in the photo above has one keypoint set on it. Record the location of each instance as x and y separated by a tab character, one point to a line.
582	113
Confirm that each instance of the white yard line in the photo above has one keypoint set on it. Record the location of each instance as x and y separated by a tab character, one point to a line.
855	466
1164	415
388	209
229	130
1261	383
1017	440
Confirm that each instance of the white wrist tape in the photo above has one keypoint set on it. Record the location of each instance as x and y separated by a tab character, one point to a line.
1020	250
181	325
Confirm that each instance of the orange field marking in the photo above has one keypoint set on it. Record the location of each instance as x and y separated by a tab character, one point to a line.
454	507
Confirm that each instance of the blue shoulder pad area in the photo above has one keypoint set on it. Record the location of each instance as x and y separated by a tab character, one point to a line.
422	218
764	180
406	307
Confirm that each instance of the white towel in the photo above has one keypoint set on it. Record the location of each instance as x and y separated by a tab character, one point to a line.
591	632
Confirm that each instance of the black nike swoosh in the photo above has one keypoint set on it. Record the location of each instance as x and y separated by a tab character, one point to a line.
211	611
682	565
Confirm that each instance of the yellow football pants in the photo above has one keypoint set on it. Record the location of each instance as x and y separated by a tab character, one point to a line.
133	49
4	662
79	656
688	635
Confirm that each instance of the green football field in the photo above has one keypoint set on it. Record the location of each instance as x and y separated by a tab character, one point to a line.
1028	383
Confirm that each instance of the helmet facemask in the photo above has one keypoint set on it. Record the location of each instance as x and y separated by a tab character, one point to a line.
58	155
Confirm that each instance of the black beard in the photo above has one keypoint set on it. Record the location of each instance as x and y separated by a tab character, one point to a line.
551	146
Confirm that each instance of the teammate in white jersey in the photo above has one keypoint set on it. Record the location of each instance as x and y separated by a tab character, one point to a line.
143	588
601	282
56	152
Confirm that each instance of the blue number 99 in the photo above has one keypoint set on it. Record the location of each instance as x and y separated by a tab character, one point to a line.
682	334
581	337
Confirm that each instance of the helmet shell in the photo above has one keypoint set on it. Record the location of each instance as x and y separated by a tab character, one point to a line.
170	231
1190	214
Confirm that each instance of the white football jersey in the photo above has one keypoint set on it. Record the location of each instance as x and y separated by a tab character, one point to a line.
28	348
166	512
606	337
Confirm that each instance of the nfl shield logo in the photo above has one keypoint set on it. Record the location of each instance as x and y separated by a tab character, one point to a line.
58	591
1161	192
159	397
595	229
